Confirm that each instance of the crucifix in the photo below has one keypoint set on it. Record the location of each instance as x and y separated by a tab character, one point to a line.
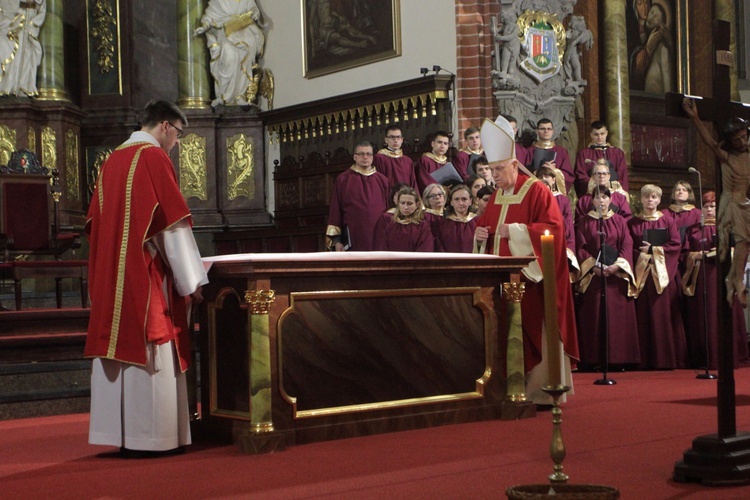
713	458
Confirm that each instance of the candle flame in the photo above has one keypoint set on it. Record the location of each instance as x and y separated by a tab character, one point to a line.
546	232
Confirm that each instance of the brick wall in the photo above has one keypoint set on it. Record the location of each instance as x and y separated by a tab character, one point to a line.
474	45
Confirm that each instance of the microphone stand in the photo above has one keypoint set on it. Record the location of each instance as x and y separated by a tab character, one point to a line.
603	316
705	375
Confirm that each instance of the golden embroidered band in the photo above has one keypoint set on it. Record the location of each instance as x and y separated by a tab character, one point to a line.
260	300
516	381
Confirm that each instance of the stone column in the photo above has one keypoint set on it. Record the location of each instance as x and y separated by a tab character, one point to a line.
616	77
724	10
516	380
193	74
51	74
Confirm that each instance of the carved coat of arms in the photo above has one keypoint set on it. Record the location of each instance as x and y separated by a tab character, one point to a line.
543	44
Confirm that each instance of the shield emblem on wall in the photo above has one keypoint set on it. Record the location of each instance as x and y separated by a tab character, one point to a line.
541	45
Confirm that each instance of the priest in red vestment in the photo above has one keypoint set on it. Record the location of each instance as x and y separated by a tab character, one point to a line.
143	266
518	214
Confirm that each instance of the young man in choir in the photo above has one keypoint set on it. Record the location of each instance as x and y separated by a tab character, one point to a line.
469	153
359	198
429	162
521	151
599	149
483	197
656	253
391	162
519	213
545	152
615	265
482	168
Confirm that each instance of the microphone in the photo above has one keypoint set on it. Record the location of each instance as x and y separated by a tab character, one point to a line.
700	193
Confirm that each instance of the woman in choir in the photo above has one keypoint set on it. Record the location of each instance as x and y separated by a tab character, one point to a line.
656	252
547	176
433	198
701	245
455	232
406	230
600	176
616	265
682	209
475	183
483	197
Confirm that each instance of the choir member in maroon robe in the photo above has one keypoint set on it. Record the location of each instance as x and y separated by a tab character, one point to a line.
547	176
520	212
682	208
406	230
433	201
483	198
469	153
359	197
545	131
617	268
521	151
598	149
701	244
429	162
391	162
601	176
475	183
455	231
660	328
482	168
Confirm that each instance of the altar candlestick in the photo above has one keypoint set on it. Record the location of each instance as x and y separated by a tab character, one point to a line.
550	309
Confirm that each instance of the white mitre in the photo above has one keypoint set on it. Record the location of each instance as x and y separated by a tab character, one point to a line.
498	140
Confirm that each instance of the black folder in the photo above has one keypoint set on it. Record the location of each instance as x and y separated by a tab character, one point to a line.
607	256
657	236
447	175
541	156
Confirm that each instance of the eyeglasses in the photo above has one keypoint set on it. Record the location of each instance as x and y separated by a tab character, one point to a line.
436	195
601	173
362	154
393	137
178	129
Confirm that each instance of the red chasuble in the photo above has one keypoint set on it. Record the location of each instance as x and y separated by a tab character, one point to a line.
136	197
533	205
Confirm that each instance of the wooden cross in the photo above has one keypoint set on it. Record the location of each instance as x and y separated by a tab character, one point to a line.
719	109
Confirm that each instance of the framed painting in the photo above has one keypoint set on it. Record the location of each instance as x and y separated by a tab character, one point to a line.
657	45
343	34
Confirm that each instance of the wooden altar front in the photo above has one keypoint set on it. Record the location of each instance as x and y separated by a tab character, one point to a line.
299	348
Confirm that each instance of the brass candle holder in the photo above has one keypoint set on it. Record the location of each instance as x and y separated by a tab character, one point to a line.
557	446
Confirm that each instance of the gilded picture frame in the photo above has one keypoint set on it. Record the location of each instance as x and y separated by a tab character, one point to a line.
339	35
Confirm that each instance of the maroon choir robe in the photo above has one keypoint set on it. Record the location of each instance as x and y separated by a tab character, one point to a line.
697	311
357	202
562	161
620	290
522	154
586	159
684	216
463	160
530	205
660	328
395	235
396	167
455	233
618	203
423	167
563	202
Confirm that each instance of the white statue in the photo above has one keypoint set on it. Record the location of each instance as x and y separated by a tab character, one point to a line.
578	36
234	34
20	50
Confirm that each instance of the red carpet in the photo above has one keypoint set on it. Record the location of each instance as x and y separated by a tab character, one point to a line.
628	436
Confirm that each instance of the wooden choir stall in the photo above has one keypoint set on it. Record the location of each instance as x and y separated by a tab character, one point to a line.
306	347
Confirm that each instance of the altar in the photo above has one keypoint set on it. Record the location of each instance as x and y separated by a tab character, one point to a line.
306	347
